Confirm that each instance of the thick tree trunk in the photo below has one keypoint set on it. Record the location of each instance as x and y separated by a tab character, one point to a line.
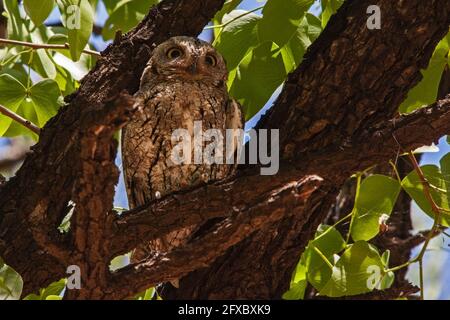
355	71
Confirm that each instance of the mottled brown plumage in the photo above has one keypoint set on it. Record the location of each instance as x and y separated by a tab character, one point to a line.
184	81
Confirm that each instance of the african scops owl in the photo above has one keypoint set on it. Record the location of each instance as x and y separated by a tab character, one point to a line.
184	81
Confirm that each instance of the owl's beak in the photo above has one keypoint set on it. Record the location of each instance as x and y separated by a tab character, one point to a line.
193	68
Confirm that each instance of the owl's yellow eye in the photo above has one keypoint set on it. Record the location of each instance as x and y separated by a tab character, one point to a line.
211	60
174	53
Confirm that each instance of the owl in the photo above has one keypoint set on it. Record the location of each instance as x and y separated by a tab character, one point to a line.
184	83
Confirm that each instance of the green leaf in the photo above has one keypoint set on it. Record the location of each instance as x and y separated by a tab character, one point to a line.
78	18
16	27
38	10
126	15
18	72
281	19
359	270
426	91
376	197
227	8
296	292
237	37
307	32
42	63
298	284
385	258
26	110
387	280
311	25
38	105
11	283
12	93
54	289
260	73
52	292
65	82
45	96
145	295
413	185
119	262
329	8
60	39
110	5
445	168
328	241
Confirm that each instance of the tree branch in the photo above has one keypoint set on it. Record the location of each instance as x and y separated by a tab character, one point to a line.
381	143
221	199
69	138
375	146
24	122
342	87
65	46
322	121
411	131
286	201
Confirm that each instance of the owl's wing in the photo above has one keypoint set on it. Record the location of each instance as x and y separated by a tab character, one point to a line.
126	168
235	120
135	152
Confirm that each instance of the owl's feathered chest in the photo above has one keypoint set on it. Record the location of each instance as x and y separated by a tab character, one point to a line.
147	140
180	103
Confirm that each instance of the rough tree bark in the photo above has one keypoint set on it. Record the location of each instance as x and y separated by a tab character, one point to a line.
336	115
351	79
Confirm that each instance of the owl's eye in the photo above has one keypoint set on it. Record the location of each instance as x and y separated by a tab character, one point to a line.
211	60
174	53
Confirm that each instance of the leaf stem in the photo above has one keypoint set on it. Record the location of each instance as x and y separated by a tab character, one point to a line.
26	123
65	46
358	186
4	63
422	295
327	262
223	25
404	265
434	229
29	72
397	175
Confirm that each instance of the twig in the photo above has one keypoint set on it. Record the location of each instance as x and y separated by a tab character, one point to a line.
437	217
435	229
26	123
425	184
222	26
358	186
65	46
96	29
